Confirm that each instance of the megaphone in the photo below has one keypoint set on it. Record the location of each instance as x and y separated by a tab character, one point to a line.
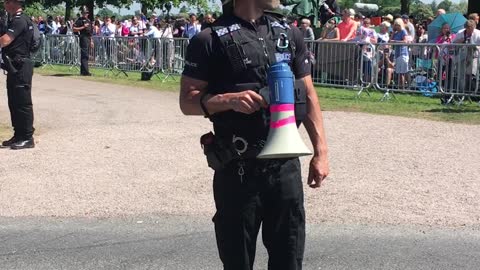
283	139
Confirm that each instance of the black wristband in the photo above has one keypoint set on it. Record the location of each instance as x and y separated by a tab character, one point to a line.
202	104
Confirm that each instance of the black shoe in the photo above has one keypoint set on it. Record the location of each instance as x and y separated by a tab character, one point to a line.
22	144
10	142
87	74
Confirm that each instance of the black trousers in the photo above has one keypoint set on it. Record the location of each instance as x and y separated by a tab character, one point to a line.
270	193
19	92
84	46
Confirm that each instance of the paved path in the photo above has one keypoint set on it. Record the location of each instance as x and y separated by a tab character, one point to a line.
107	155
180	243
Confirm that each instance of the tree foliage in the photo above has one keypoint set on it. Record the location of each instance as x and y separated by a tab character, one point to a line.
445	4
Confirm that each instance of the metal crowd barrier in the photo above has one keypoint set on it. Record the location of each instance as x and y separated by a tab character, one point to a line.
138	54
446	70
450	70
342	64
61	50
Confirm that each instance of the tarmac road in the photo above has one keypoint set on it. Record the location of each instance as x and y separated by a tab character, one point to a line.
117	181
183	243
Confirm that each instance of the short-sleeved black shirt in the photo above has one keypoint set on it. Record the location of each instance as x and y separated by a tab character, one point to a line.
202	53
21	32
206	60
80	23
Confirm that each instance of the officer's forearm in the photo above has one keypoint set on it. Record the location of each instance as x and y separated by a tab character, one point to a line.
213	103
190	95
5	40
314	121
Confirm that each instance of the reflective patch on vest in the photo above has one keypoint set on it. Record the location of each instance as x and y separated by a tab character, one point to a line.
280	25
283	57
224	31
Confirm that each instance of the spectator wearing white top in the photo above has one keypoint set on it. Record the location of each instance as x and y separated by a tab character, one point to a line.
165	30
108	28
409	27
307	30
469	60
152	31
135	29
192	28
384	36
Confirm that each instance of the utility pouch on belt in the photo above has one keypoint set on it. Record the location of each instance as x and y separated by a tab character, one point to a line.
300	100
8	64
218	153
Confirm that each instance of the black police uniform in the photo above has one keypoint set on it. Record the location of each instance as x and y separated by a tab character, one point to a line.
85	40
19	77
233	56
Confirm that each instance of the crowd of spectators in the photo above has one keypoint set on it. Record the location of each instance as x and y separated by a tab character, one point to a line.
397	58
135	26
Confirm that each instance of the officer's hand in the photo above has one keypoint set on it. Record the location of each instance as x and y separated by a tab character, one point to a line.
247	102
318	171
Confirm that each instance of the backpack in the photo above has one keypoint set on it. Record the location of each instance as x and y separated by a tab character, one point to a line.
36	42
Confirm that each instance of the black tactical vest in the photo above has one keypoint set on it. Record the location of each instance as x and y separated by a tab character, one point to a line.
247	55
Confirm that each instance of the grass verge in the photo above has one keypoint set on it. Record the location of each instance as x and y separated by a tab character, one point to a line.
332	99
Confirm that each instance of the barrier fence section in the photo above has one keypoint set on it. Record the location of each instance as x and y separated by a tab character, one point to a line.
138	54
446	70
60	50
342	64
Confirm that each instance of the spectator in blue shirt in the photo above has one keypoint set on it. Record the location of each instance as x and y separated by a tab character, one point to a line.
400	35
192	28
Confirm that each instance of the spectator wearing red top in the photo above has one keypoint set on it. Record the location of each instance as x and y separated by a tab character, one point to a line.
348	27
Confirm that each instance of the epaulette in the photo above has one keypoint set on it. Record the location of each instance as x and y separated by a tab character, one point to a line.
222	27
280	21
221	31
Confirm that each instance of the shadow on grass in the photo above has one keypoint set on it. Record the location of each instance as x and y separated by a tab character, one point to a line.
61	75
453	110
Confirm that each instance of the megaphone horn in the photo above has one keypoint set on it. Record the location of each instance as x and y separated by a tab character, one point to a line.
283	139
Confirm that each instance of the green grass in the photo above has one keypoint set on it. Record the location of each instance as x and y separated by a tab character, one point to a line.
159	82
406	105
332	99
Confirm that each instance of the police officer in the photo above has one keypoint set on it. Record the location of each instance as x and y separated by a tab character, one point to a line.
83	28
19	66
224	74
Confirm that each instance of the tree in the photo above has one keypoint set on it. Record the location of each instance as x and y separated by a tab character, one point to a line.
445	4
405	6
105	12
421	11
434	6
346	3
461	7
183	9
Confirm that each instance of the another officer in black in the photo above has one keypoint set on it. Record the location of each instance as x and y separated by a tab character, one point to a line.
16	45
224	74
83	28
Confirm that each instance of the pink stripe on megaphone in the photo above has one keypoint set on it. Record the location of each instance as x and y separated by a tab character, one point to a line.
282	108
283	122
